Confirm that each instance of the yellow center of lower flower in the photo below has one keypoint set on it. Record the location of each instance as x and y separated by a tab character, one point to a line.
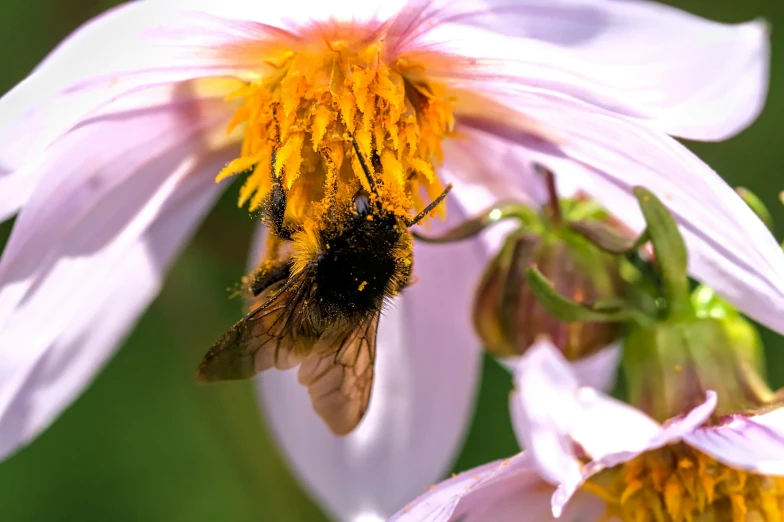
680	484
309	105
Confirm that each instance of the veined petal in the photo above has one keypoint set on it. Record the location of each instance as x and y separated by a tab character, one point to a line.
503	491
680	73
77	176
129	48
174	113
427	366
730	249
69	362
98	224
753	443
297	13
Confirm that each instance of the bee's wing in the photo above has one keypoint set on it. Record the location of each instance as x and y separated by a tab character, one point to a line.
260	340
339	378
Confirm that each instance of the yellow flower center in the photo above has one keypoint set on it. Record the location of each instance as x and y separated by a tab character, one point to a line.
680	484
308	107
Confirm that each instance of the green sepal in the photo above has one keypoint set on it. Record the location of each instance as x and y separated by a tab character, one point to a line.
607	239
756	205
528	219
671	255
568	311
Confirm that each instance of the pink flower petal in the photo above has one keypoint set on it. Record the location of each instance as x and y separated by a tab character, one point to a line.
631	436
542	408
69	362
297	14
598	370
98	223
730	249
502	491
459	497
427	367
752	443
132	47
484	171
682	74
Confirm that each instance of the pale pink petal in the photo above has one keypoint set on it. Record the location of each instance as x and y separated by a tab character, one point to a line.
543	407
730	249
100	158
297	14
502	491
99	222
682	74
631	435
598	370
456	498
484	171
108	312
132	47
752	443
172	110
427	366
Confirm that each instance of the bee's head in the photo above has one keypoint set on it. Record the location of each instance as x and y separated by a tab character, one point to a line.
368	203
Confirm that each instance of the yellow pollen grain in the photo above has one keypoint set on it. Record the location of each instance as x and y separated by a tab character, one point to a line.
304	110
679	484
362	285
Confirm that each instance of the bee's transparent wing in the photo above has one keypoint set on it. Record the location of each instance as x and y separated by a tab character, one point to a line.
339	376
262	339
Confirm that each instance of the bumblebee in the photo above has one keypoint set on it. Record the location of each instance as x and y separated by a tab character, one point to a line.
320	304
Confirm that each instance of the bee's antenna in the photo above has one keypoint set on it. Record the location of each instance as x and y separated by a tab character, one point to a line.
433	204
365	169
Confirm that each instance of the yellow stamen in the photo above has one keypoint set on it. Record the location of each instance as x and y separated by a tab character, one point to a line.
680	484
304	111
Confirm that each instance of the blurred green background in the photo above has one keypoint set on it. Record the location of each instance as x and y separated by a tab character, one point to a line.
146	444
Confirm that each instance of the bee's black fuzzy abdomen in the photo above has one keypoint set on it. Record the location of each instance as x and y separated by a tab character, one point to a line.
357	268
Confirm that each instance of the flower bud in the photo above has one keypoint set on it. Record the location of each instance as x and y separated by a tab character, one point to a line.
507	315
669	366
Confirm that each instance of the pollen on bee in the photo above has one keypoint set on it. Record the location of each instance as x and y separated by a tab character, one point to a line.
362	285
304	111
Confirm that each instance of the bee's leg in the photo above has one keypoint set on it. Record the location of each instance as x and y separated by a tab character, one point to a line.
275	205
269	273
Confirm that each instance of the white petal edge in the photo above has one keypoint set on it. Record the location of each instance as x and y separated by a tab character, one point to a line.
730	249
752	443
677	72
427	369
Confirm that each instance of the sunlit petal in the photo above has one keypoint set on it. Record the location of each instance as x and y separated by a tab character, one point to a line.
679	73
753	443
88	290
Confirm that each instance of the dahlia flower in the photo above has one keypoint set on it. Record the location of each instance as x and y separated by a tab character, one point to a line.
593	458
110	150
